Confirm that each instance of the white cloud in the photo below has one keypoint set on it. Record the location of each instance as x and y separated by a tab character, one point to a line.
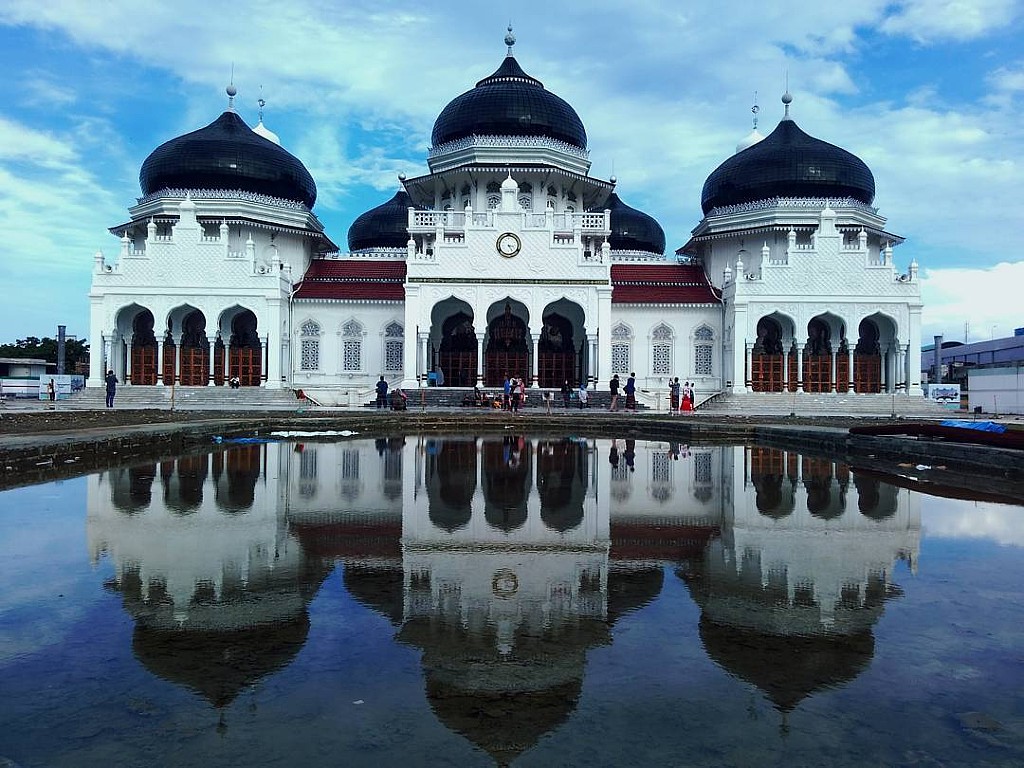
951	519
930	21
986	298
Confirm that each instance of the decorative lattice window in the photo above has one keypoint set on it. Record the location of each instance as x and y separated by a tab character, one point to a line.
307	473
349	482
660	465
352	346
702	351
493	201
394	347
622	338
526	202
620	358
309	347
493	186
661	359
702	468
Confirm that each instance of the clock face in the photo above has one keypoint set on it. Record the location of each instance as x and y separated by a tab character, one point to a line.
509	245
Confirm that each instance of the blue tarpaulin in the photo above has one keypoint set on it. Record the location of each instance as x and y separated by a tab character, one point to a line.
981	426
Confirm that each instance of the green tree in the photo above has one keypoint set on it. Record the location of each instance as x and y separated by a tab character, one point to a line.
75	350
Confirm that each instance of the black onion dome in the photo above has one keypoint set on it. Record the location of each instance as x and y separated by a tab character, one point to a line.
227	154
633	230
386	226
509	103
788	163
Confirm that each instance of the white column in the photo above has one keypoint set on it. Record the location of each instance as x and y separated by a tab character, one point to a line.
176	338
480	357
849	351
160	361
604	335
591	357
213	364
535	363
412	332
785	370
273	345
835	371
128	359
799	369
422	365
748	366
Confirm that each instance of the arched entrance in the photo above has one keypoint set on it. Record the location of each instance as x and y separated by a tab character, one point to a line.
245	352
191	356
560	347
818	357
766	361
144	349
456	354
507	352
867	358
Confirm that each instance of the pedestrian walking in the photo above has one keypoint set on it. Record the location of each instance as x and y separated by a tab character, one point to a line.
111	388
382	393
506	402
673	395
613	387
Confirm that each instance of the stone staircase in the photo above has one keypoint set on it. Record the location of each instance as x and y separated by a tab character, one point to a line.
186	399
452	397
825	404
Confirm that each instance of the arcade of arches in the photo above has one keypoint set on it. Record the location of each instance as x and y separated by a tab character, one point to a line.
466	356
825	360
186	355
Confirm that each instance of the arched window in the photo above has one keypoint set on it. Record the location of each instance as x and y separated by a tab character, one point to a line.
352	347
661	350
394	347
309	347
703	345
622	342
493	201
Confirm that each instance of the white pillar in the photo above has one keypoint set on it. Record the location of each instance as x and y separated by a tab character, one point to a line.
604	334
799	369
160	361
128	359
412	332
835	371
480	357
535	362
849	351
213	364
748	366
273	343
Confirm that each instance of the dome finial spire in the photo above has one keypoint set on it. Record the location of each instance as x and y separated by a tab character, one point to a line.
262	103
787	98
755	109
231	90
510	39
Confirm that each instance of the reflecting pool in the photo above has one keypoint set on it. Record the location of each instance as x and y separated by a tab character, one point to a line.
511	599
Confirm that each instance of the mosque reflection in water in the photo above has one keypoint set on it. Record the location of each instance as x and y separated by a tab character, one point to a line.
503	560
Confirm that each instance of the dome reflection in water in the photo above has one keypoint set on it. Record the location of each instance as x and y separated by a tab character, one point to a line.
504	561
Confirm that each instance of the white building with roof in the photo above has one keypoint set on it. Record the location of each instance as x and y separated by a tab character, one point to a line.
506	258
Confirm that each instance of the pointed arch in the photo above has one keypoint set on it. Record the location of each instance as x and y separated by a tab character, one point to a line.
309	345
622	348
352	333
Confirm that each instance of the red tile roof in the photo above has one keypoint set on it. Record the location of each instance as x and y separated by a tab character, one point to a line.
661	284
353	280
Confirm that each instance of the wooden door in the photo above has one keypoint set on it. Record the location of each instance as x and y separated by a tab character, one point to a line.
143	364
247	364
766	373
817	373
195	366
867	373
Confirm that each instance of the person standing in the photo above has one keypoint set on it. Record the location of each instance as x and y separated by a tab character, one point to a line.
613	387
687	405
673	395
583	396
382	393
111	388
565	393
630	390
517	394
506	403
51	391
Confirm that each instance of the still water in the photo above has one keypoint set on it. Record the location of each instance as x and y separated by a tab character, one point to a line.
493	600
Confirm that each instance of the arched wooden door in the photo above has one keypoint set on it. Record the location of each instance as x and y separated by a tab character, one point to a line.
456	356
144	349
507	352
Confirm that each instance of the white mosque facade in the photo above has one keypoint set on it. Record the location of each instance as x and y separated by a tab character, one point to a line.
505	258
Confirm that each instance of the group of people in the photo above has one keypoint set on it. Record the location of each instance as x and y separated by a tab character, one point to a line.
397	400
680	397
514	393
628	389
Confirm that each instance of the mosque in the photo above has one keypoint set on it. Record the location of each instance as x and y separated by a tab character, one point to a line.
505	257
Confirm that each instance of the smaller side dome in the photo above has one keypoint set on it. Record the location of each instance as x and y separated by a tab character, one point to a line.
633	230
386	226
266	133
750	140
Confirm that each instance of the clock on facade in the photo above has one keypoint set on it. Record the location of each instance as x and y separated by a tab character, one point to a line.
509	245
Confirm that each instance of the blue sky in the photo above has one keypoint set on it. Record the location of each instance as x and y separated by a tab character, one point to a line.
927	92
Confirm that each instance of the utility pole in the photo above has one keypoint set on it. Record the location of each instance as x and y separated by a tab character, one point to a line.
60	349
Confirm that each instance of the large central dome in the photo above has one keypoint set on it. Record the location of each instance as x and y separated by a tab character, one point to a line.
227	154
509	103
788	163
